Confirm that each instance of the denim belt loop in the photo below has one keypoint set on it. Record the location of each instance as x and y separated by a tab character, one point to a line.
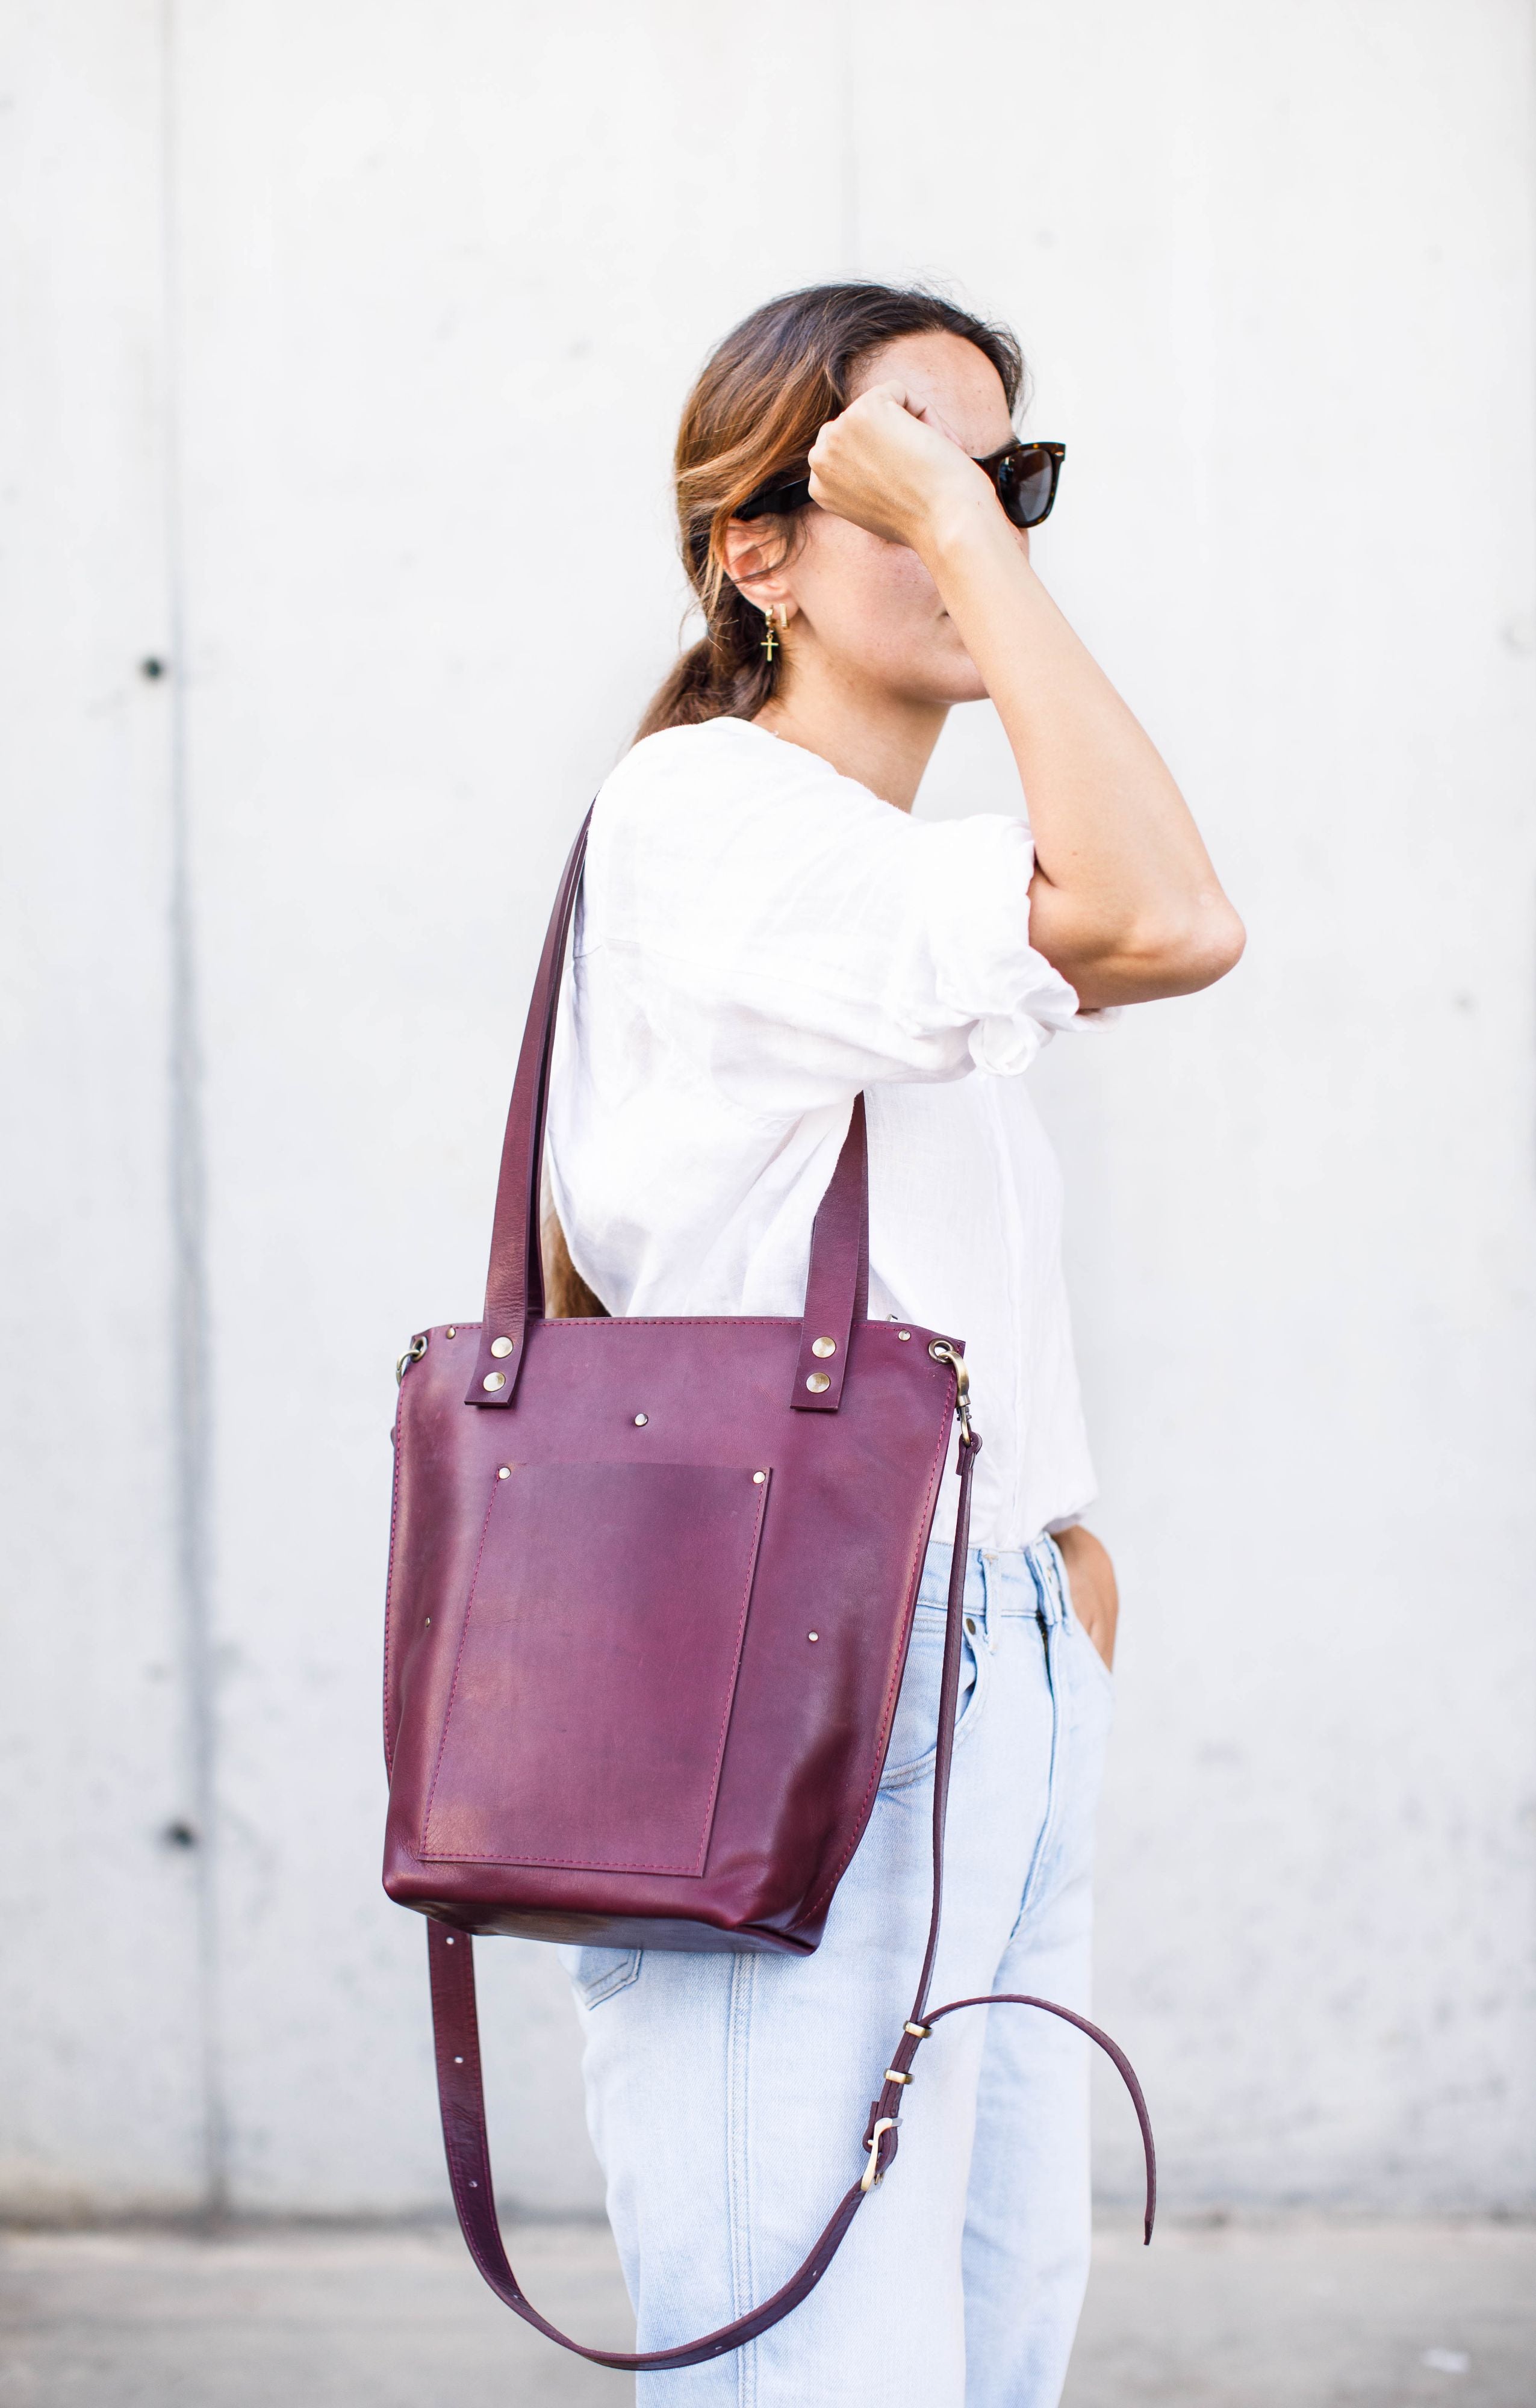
1048	1589
986	1605
1058	1577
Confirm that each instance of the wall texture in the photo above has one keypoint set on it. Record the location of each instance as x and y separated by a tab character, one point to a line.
329	323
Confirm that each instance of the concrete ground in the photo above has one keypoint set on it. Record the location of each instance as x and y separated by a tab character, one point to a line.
1298	2313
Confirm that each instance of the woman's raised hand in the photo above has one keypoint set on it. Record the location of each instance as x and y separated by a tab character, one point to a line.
893	470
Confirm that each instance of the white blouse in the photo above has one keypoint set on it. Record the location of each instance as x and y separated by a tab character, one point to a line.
757	939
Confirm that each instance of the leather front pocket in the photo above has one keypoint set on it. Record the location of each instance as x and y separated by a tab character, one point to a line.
596	1666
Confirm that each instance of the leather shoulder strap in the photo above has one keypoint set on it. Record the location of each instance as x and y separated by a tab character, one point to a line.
514	1282
836	1289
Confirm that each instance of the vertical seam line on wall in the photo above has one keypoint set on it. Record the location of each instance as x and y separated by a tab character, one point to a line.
848	145
189	1197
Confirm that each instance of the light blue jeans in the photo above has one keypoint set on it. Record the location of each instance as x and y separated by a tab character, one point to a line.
726	2095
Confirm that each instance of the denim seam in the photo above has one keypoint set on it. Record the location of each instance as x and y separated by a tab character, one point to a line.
991	1613
618	1977
738	2162
1050	1639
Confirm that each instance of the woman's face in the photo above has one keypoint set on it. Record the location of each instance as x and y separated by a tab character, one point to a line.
868	608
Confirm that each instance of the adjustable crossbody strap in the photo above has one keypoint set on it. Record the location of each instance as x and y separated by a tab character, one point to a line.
461	2094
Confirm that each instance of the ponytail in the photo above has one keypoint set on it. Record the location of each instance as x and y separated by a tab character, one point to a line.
725	675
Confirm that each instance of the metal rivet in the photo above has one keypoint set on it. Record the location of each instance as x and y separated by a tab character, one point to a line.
449	1941
903	1335
970	1626
759	1477
458	2060
824	1346
429	1622
813	1635
500	1346
641	1420
450	1331
818	1383
494	1380
505	1472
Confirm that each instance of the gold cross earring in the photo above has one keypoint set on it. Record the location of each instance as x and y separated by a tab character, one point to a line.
770	643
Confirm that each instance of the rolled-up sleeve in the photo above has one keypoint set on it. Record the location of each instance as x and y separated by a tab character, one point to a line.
810	939
973	903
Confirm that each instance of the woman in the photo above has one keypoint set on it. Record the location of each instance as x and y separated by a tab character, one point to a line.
765	932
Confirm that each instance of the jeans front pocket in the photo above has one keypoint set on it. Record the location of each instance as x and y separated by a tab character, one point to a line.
914	1734
1088	1665
598	1973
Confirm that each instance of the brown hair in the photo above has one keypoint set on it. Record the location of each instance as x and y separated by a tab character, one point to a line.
750	420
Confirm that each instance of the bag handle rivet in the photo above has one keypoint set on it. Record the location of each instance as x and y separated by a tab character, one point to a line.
450	1331
501	1346
824	1346
641	1420
813	1635
504	1471
903	1334
818	1383
758	1477
494	1380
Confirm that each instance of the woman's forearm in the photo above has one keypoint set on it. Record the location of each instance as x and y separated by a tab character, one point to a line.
1124	901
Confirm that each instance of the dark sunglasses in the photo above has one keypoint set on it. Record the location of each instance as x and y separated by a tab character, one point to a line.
1025	477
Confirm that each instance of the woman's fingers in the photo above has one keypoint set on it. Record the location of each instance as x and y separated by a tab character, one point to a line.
885	466
1096	1597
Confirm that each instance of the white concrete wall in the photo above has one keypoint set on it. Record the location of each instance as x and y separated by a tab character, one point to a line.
426	266
103	2096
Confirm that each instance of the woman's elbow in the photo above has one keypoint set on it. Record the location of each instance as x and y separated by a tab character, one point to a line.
1163	954
1207	945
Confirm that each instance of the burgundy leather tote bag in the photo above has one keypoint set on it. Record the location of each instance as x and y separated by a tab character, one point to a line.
651	1588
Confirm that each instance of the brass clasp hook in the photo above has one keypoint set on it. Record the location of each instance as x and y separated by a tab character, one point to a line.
942	1352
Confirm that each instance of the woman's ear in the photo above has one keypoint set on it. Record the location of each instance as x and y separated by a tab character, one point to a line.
754	563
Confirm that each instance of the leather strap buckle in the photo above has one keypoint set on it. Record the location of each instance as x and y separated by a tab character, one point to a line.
874	2171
